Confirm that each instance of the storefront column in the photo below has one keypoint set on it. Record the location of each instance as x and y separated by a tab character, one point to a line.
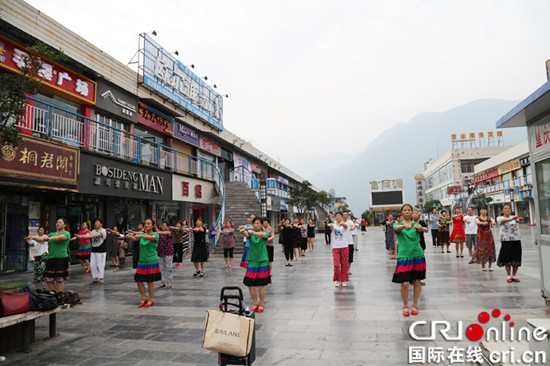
532	212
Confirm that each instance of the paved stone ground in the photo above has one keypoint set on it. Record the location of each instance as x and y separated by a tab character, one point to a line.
307	320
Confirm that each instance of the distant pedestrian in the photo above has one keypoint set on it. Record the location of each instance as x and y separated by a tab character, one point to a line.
303	244
286	230
349	238
148	269
433	227
443	234
177	241
340	251
458	235
270	241
135	247
113	238
363	227
389	233
165	252
257	271
228	243
40	254
84	248
244	258
510	238
355	234
471	232
297	239
418	219
310	235
411	263
199	255
328	231
484	251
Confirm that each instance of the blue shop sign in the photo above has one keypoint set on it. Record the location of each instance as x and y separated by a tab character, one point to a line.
163	73
526	194
254	184
271	184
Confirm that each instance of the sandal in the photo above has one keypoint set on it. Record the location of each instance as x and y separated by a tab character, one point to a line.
260	309
414	310
196	273
161	285
142	303
406	311
202	274
254	308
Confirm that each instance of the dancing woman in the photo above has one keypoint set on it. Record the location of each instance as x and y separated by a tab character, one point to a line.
411	263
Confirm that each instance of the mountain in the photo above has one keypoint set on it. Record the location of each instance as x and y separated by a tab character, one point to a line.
401	151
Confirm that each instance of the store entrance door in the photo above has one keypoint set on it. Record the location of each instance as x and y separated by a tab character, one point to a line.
13	229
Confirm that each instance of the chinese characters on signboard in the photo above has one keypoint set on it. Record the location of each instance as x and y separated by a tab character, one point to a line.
149	117
42	161
387	185
211	147
165	74
53	76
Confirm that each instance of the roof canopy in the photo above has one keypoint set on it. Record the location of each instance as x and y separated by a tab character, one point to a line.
531	109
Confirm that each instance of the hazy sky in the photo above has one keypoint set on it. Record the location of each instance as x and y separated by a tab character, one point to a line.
310	77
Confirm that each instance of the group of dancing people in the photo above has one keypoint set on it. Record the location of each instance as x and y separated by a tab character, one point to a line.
405	242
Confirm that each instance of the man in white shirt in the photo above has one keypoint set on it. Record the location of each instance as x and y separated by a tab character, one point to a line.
471	232
349	237
355	233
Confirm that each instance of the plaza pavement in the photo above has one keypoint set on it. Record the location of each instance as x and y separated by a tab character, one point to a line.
307	321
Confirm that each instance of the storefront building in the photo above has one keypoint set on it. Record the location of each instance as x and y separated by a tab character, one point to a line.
534	113
36	181
196	198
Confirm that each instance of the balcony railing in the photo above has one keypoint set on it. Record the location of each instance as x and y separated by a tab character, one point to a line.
70	128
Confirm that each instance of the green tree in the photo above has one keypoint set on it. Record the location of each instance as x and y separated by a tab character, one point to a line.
480	199
13	87
366	216
324	198
303	197
430	205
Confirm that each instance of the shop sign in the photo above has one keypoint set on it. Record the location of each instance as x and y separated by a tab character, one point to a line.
526	194
163	73
186	134
454	189
153	119
524	162
240	161
282	180
54	77
484	176
116	101
539	137
42	162
110	177
508	167
193	190
254	185
271	184
211	147
387	185
226	155
256	168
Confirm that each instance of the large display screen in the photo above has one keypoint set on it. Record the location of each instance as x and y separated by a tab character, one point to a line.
387	198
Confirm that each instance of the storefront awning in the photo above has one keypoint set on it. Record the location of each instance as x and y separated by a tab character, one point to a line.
532	108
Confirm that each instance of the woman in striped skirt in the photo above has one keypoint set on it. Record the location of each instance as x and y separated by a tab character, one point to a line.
257	271
148	269
411	263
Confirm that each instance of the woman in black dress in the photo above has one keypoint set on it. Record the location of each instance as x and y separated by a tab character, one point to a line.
199	255
310	234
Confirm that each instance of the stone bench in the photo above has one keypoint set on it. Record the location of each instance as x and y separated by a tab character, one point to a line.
24	319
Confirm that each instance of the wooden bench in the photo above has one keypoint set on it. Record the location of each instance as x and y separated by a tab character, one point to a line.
24	319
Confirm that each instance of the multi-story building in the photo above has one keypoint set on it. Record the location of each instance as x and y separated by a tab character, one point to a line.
506	179
101	140
445	178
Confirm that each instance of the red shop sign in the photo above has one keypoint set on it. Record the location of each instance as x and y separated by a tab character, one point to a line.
152	119
41	161
54	77
210	146
484	176
454	189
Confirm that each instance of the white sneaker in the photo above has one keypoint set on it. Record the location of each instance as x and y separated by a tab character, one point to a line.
344	284
291	264
336	284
